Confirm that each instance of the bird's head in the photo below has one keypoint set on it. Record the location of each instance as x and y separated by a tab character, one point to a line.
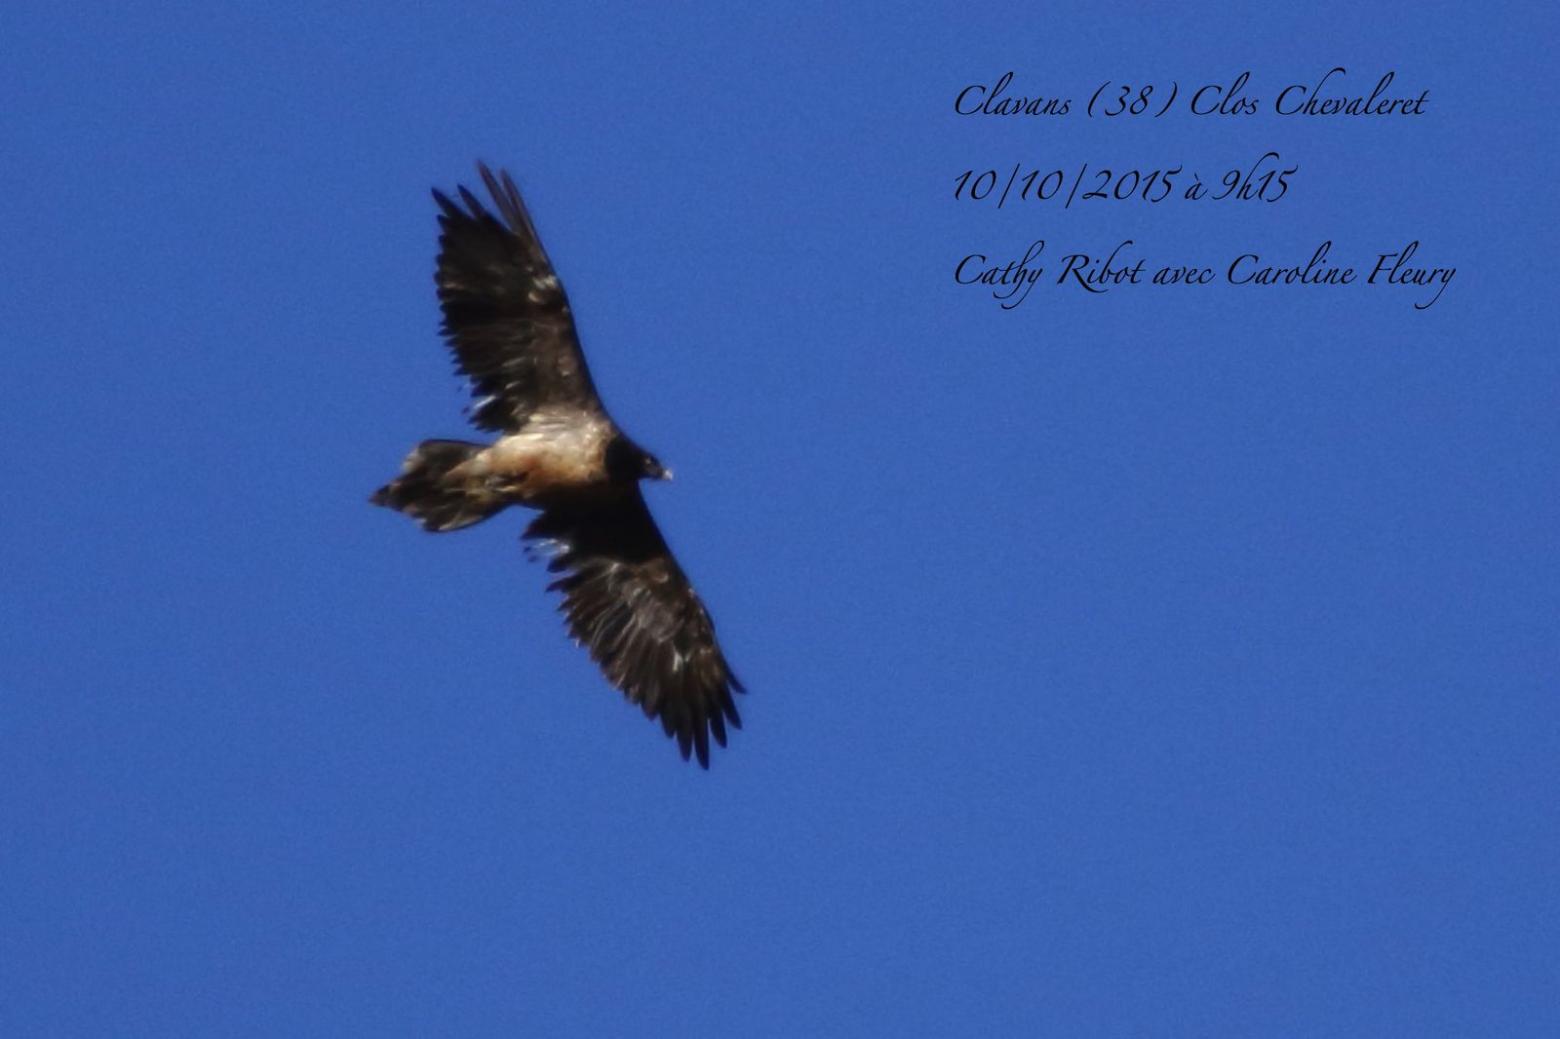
627	461
654	470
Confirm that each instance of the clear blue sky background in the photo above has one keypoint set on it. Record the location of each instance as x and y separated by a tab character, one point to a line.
1165	662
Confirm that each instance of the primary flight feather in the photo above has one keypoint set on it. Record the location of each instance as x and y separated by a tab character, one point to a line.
507	321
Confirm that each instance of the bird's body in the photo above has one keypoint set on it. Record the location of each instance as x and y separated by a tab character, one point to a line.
626	600
554	453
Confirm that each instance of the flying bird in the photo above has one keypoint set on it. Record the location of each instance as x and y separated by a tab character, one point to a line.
625	599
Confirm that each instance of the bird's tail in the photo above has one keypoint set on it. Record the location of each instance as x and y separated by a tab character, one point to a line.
433	492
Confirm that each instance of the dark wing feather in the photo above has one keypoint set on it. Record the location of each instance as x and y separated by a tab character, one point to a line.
629	603
505	313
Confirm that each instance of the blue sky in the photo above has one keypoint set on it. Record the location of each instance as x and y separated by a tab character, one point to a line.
1172	661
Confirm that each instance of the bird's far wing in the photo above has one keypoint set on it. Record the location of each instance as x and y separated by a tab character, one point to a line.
505	313
629	603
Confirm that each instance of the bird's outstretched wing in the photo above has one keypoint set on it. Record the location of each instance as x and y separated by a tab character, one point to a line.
629	603
505	313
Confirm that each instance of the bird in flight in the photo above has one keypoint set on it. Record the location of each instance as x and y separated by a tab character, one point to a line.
507	322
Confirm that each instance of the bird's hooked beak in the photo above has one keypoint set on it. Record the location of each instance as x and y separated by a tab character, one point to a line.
652	469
